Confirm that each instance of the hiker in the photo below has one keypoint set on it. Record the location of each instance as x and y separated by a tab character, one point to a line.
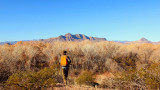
65	61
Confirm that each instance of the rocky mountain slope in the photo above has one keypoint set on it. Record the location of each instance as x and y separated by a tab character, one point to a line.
70	37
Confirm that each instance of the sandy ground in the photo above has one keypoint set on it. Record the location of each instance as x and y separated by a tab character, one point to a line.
99	79
73	87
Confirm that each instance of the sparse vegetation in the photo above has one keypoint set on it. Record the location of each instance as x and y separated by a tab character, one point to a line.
136	63
45	78
86	78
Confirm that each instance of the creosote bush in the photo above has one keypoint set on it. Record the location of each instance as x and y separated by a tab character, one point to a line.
86	78
45	78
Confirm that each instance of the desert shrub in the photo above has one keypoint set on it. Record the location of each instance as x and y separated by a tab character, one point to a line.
155	57
108	83
128	80
151	76
144	54
22	57
112	66
33	80
93	55
4	72
86	78
145	78
127	61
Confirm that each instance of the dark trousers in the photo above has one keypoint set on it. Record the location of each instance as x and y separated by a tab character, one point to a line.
65	73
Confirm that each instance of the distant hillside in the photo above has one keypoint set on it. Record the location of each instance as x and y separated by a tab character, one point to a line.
8	42
70	37
14	42
142	40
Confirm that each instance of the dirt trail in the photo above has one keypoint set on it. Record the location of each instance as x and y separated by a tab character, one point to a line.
70	87
73	87
99	79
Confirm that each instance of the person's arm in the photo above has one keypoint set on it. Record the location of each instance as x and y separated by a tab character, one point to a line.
60	60
69	60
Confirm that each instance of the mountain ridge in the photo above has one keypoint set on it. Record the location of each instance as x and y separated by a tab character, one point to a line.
78	38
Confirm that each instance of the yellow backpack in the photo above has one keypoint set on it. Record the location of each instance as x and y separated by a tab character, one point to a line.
64	60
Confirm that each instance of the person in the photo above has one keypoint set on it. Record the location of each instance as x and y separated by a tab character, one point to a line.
65	62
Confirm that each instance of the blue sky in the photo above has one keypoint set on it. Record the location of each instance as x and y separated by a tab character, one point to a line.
111	19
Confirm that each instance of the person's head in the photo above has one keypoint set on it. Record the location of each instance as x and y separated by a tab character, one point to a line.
64	52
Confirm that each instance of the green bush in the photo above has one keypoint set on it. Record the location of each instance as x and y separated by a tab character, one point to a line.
32	80
86	78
